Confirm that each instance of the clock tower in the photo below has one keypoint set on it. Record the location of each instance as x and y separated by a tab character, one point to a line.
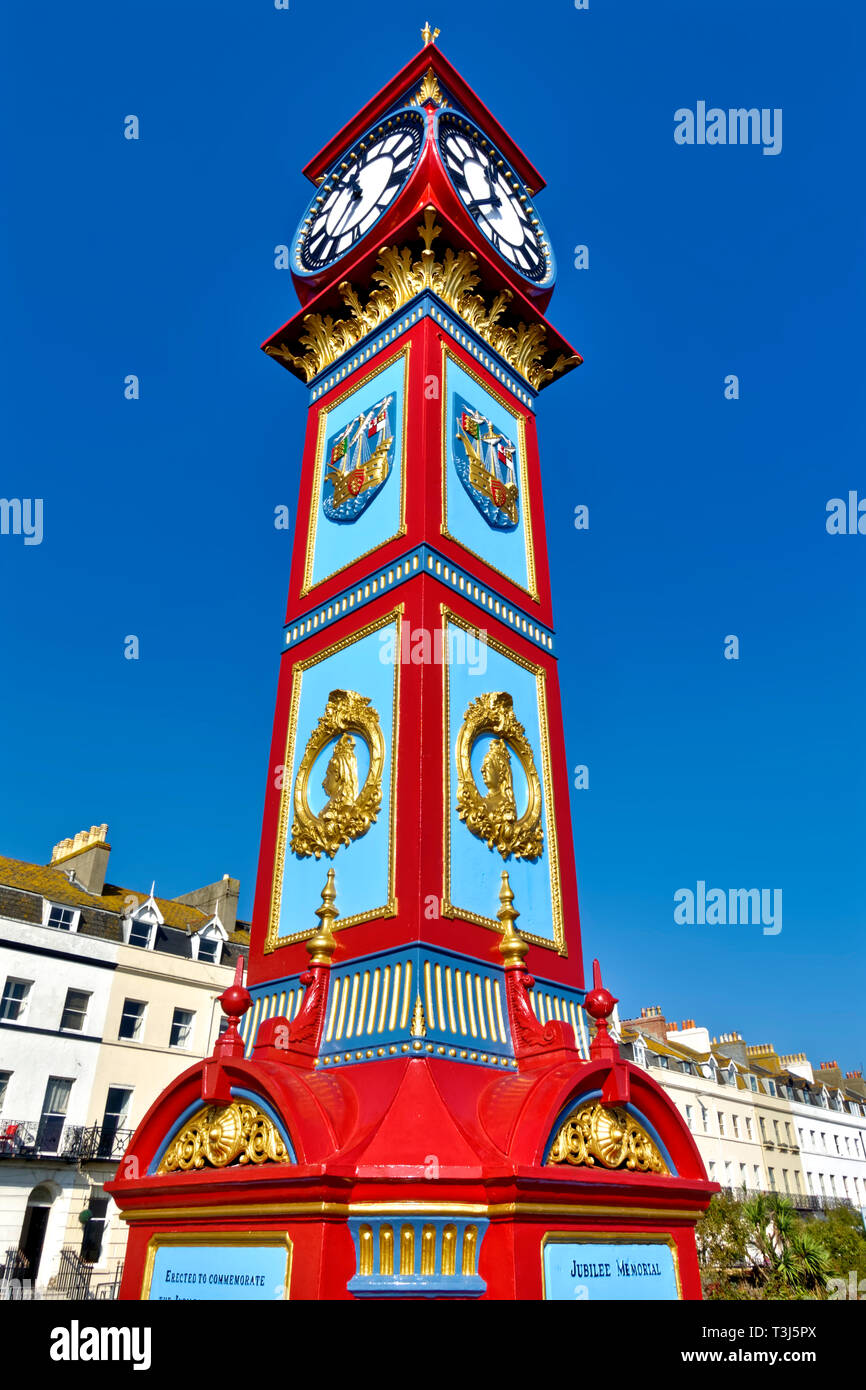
414	1095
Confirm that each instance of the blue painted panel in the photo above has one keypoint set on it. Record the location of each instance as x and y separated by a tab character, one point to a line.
475	870
226	1273
340	544
362	867
616	1272
505	550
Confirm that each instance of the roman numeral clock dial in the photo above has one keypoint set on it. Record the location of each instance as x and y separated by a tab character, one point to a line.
358	190
496	199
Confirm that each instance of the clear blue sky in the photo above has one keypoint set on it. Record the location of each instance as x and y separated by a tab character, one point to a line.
706	516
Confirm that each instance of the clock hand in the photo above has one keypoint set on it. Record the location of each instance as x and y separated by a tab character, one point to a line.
480	203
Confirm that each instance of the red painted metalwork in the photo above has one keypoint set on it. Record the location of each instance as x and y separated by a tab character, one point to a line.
417	1130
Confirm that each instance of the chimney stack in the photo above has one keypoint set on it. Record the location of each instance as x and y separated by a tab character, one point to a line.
652	1022
217	899
87	854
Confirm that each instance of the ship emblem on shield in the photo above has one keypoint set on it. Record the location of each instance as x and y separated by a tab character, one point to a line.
485	463
359	459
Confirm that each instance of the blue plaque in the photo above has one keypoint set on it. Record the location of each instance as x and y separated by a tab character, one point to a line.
225	1272
618	1271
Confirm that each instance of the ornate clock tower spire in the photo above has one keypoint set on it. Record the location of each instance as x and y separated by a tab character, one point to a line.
424	1083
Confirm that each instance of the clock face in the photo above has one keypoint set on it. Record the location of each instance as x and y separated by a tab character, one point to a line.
357	191
495	198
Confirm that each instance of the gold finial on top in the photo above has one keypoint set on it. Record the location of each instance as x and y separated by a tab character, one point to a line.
323	945
419	1027
429	35
512	947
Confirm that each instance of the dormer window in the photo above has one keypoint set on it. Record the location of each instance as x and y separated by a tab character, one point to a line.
140	928
60	917
207	943
140	932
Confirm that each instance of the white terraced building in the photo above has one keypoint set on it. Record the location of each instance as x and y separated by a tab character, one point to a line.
762	1121
105	996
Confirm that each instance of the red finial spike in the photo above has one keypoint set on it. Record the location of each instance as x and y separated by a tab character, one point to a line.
599	1004
234	1001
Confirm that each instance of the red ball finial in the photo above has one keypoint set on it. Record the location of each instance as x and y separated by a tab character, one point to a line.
599	1002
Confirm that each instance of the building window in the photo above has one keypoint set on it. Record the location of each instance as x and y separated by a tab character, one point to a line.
5	1078
94	1230
753	1083
742	1175
704	1118
749	1134
757	1172
140	932
711	1167
64	918
75	1010
53	1117
690	1117
772	1173
181	1028
763	1128
838	1149
131	1019
736	1124
797	1180
776	1130
721	1118
785	1179
13	1005
824	1140
116	1110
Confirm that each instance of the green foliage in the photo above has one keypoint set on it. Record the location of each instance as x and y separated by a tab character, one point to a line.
842	1235
761	1249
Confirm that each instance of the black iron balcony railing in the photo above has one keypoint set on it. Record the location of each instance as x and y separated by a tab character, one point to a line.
51	1137
96	1142
800	1201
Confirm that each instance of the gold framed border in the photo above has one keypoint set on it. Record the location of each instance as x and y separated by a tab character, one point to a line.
273	939
214	1239
316	1208
615	1238
531	587
450	909
316	499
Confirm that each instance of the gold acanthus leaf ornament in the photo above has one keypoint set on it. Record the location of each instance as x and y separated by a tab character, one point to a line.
607	1136
493	817
428	91
400	277
349	811
220	1135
